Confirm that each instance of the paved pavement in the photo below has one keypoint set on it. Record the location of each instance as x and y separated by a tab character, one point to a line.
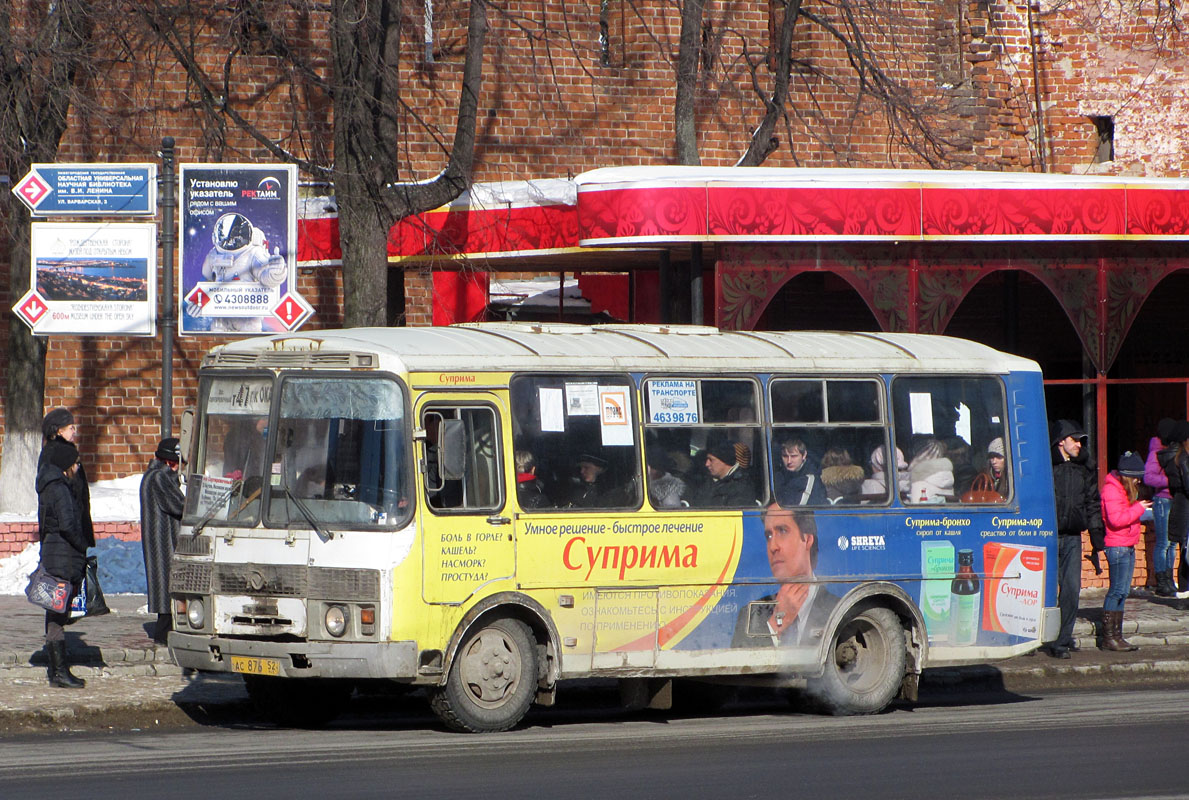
131	679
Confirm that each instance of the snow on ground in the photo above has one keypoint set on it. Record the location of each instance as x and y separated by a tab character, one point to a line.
121	564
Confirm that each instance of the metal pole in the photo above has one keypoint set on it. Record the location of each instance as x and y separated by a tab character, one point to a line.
167	318
666	288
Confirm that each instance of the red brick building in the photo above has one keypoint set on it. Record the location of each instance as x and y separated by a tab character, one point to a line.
1067	87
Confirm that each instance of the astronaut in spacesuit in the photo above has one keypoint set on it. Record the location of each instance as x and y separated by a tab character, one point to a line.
240	252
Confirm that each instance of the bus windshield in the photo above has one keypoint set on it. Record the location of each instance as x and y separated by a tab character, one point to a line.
338	452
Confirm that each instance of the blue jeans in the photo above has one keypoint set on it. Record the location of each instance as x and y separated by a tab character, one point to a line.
1069	585
1164	553
1121	561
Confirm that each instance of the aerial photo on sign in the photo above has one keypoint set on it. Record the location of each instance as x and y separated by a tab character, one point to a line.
93	279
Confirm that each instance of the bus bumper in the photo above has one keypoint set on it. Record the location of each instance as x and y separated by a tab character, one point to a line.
296	659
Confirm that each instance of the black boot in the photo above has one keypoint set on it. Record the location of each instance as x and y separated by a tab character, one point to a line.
59	670
1164	584
163	627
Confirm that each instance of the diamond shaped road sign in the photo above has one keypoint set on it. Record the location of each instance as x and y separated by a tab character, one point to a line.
198	298
31	308
292	310
32	189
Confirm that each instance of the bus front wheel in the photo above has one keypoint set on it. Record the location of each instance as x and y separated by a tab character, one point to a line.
492	680
864	666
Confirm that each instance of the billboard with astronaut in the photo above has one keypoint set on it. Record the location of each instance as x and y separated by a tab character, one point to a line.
238	242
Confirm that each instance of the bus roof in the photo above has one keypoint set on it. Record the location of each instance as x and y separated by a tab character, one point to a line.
508	346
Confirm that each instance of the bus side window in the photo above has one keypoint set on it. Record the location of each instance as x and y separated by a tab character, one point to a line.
578	431
478	487
946	427
704	445
828	436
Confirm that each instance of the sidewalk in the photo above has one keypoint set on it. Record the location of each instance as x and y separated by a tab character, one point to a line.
128	675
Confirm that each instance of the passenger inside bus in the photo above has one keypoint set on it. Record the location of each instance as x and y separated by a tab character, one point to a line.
842	478
729	485
931	474
665	490
957	450
592	489
875	488
529	491
797	481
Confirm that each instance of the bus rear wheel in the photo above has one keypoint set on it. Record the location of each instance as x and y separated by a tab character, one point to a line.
864	666
492	680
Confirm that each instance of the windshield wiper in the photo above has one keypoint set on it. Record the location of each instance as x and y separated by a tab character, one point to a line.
325	533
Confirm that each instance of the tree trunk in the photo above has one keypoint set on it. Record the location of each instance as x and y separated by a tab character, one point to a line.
363	236
685	107
25	389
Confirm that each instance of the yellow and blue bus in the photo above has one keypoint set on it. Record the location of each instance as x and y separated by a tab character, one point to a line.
488	510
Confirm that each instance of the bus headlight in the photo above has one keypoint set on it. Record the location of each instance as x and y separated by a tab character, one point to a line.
336	620
195	612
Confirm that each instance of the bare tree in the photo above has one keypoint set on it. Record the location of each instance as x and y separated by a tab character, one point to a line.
876	65
364	87
46	55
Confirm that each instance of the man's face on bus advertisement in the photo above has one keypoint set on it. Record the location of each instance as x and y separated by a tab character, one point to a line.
789	552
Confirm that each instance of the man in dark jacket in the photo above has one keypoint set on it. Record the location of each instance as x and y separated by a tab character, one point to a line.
1075	488
797	482
161	502
730	485
63	548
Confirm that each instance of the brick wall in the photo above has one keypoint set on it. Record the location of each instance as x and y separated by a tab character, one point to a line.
16	536
549	108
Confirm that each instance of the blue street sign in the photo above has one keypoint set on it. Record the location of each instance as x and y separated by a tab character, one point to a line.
90	189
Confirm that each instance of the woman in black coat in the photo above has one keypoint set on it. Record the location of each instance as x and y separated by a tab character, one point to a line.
59	425
63	547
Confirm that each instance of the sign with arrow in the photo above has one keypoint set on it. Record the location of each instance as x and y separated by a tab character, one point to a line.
89	190
30	308
91	279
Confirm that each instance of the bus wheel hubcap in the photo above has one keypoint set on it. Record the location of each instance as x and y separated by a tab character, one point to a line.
490	668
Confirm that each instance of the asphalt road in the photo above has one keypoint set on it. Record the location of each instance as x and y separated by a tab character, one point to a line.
1058	745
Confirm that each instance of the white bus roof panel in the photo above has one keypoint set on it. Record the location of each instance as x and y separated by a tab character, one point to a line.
506	346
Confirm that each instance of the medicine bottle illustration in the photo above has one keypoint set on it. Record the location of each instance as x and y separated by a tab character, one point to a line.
965	592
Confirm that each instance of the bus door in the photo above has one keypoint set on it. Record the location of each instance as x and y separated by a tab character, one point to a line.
466	534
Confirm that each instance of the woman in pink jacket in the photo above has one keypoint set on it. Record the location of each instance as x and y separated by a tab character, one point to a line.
1121	510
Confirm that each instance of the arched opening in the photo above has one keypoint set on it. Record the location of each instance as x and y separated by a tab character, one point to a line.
1012	311
1152	355
814	301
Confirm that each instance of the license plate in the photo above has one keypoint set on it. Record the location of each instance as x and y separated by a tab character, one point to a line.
255	666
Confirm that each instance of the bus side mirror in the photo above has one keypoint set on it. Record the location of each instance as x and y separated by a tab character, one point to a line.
452	449
186	436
